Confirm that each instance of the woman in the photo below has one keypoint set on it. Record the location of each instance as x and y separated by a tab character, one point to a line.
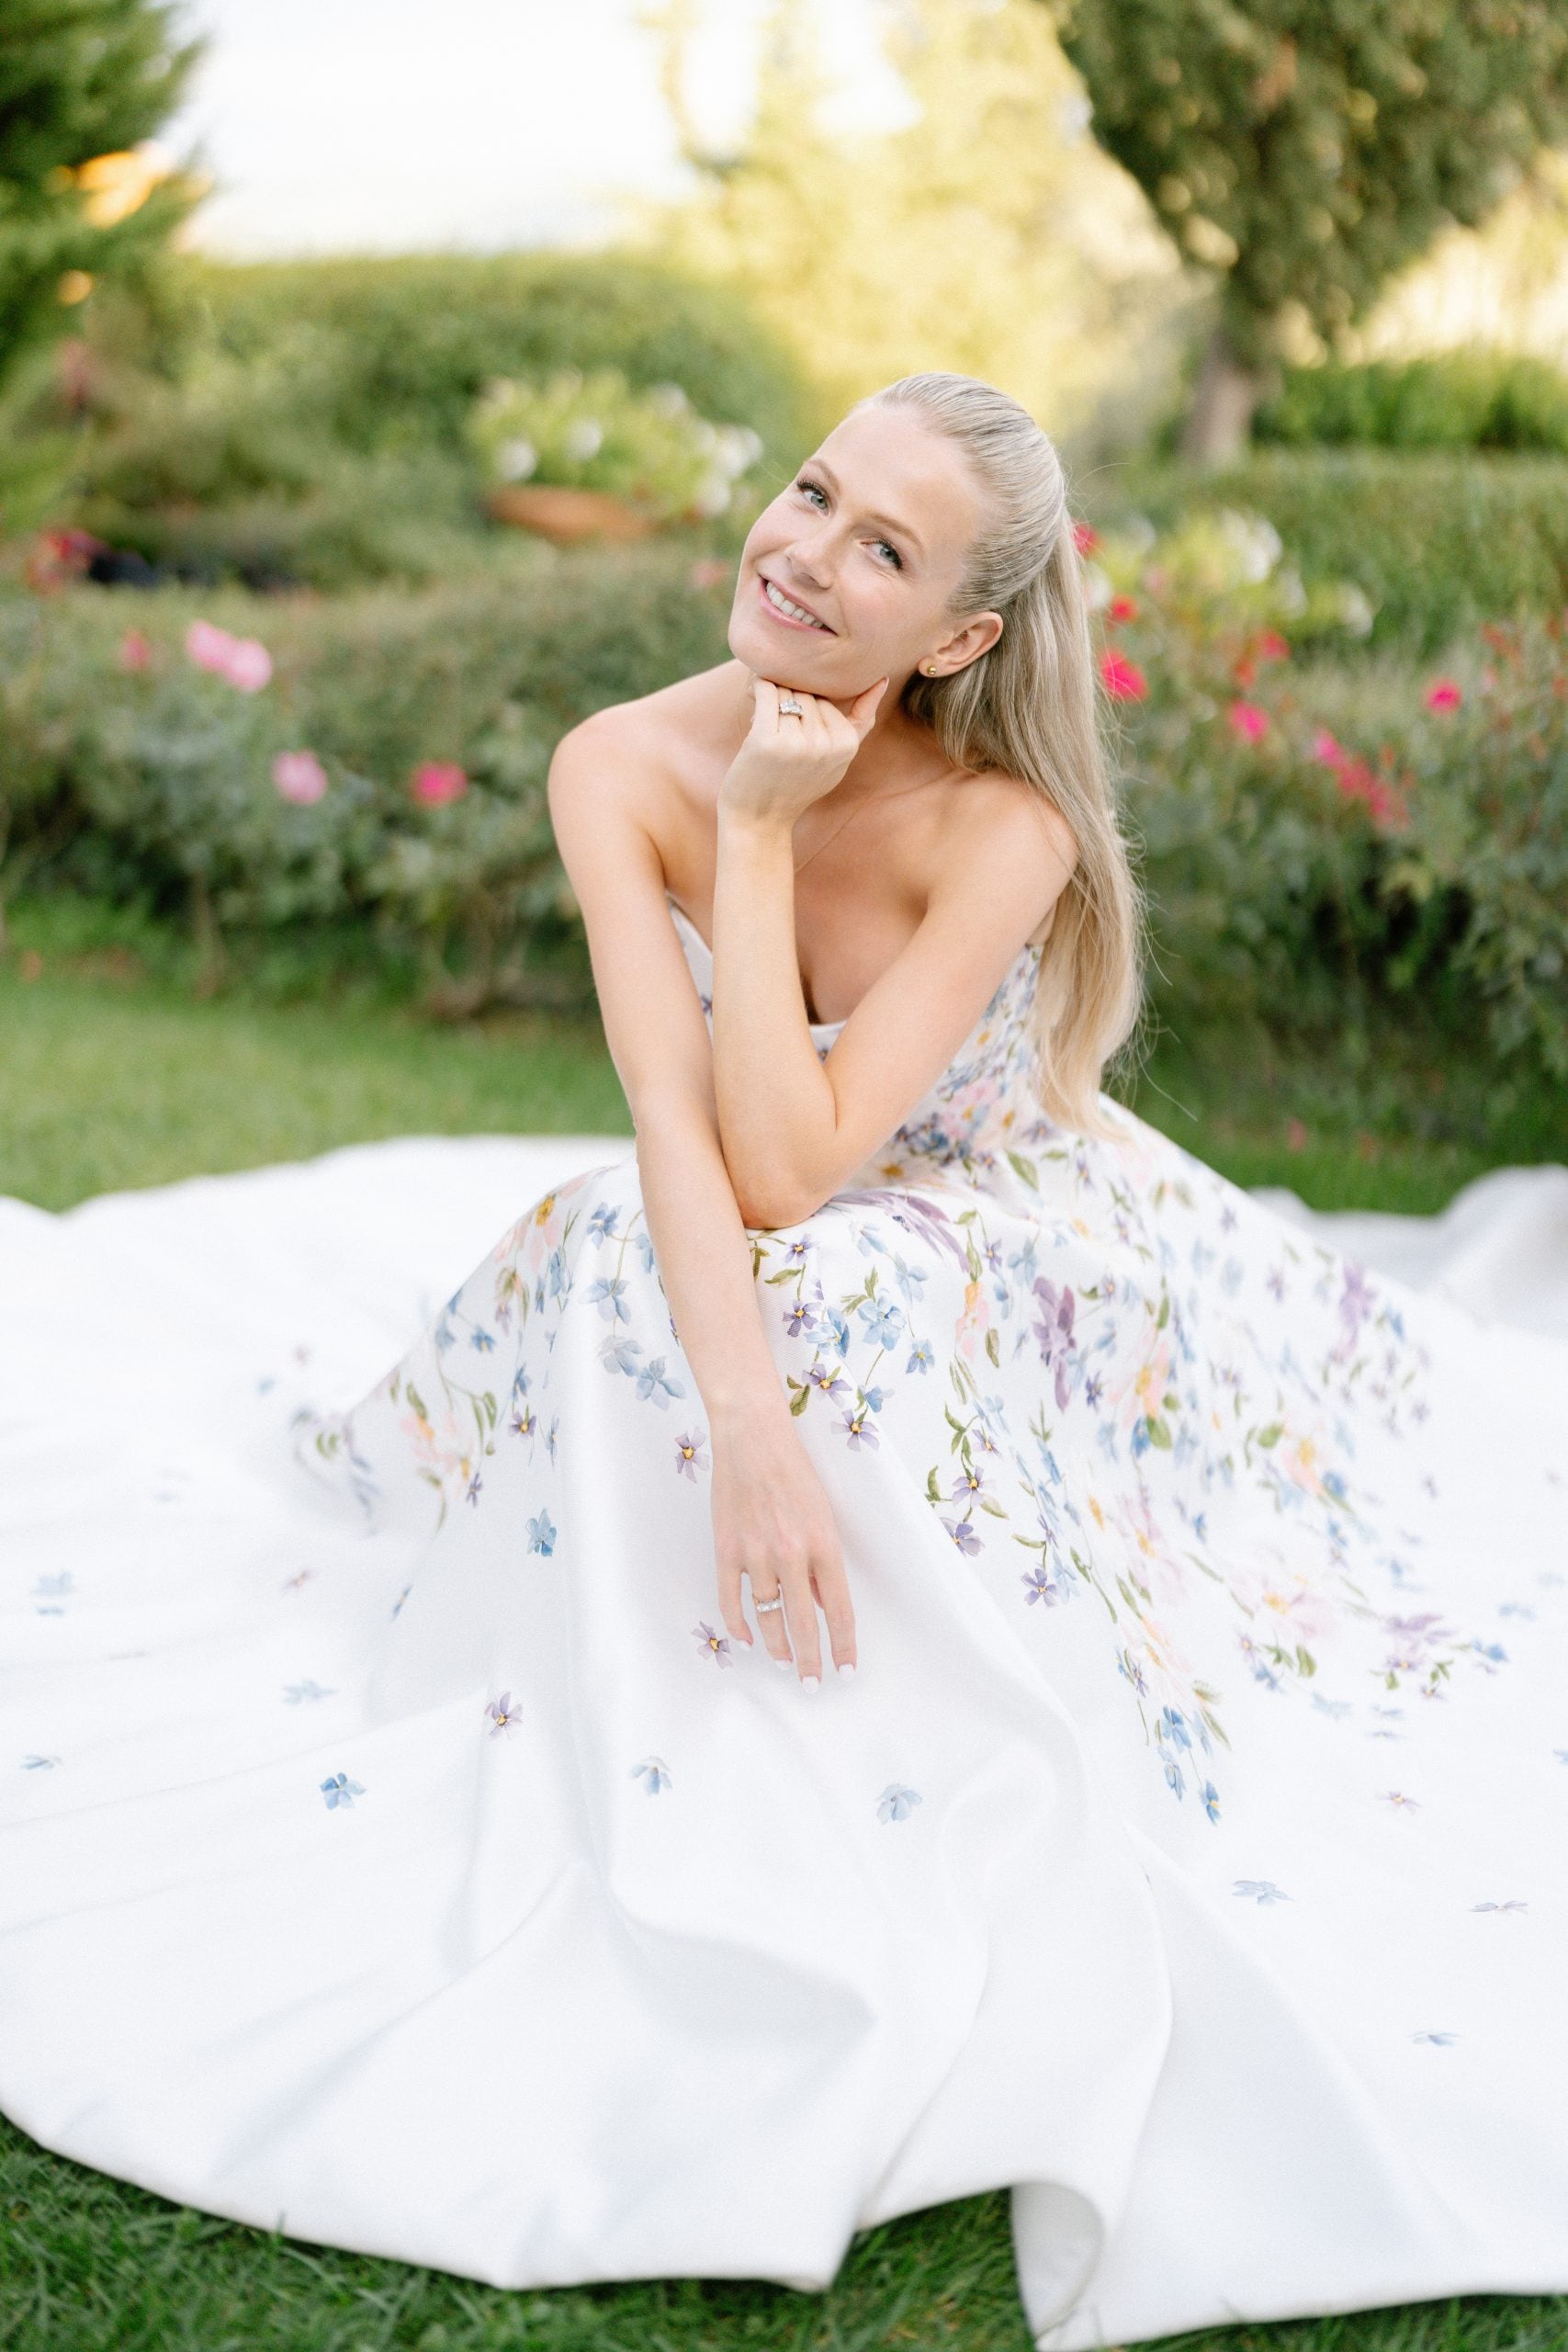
1154	1817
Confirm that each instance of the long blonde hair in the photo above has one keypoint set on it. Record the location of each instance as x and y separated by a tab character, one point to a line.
1030	708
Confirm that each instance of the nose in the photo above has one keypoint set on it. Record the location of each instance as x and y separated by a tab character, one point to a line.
810	554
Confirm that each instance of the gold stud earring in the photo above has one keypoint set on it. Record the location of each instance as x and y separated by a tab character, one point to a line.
927	669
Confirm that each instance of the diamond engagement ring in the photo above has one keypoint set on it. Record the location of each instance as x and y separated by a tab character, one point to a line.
791	707
764	1606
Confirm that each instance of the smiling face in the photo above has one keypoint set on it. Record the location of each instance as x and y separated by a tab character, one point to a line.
849	575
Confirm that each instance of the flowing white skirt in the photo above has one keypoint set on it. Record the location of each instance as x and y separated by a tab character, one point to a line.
421	2037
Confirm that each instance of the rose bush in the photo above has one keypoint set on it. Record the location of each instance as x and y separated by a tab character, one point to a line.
1326	831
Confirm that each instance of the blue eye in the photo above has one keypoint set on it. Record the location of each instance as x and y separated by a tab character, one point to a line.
813	490
893	554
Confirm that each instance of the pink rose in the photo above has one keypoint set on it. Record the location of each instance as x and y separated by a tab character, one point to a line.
248	666
298	776
1443	694
1123	681
1327	750
208	646
436	782
245	661
1248	720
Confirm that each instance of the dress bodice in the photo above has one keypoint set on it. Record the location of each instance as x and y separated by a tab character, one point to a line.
981	1107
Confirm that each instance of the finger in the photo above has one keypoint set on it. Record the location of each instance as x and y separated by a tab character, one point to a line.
771	1622
861	712
729	1607
800	1607
832	1590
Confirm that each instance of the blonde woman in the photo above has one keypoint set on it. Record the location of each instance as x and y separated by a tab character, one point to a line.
1142	1809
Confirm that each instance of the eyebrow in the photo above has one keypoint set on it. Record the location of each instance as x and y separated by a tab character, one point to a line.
896	530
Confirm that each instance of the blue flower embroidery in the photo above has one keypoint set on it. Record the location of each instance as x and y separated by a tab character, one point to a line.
654	1774
896	1803
1262	1889
340	1791
542	1534
294	1692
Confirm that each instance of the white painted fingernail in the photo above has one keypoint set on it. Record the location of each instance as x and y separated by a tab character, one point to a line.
788	1664
847	1667
811	1682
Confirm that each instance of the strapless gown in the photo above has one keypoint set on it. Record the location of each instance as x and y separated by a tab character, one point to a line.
397	1853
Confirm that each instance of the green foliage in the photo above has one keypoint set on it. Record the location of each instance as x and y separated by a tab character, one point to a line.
390	354
156	782
80	82
594	433
1461	399
1436	541
308	422
1319	846
1305	153
983	234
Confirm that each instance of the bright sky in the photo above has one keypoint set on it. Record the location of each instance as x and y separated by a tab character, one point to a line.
350	125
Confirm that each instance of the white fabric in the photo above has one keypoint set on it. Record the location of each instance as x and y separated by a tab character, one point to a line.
625	1959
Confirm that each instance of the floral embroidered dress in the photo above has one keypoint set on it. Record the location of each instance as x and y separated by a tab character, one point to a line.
400	1854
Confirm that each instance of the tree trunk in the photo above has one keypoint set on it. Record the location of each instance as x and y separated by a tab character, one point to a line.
1219	424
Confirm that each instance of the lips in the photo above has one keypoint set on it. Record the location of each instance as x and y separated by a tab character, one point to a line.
788	610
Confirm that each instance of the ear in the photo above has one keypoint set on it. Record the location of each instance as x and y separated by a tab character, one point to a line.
976	635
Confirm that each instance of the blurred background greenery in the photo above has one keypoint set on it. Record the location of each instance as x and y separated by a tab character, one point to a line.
305	565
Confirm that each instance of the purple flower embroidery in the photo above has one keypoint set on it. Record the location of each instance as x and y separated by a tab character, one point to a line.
340	1791
689	1455
716	1643
964	1535
1041	1585
1055	1333
503	1716
1441	2040
896	1803
858	1430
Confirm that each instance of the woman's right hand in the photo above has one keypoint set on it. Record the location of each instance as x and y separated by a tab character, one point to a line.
773	1524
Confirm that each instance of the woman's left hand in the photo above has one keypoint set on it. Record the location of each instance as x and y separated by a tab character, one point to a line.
786	762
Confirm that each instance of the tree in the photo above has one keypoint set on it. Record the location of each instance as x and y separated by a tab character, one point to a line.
986	234
82	84
1302	151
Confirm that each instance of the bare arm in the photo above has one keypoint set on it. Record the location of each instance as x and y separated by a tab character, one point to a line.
772	1519
794	1128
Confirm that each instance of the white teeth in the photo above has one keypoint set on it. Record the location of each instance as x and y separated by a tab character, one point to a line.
795	612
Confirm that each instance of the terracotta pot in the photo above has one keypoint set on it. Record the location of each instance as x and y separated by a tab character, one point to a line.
568	515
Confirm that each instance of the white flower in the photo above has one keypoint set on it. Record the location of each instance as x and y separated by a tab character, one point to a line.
1256	543
584	439
1097	587
667	400
515	459
1355	610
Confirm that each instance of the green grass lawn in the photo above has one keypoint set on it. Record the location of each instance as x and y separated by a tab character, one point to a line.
111	1075
114	1075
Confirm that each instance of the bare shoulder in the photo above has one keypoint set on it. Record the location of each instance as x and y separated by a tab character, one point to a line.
1003	838
621	753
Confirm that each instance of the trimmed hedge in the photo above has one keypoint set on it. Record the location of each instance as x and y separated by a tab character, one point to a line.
1436	541
1474	399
